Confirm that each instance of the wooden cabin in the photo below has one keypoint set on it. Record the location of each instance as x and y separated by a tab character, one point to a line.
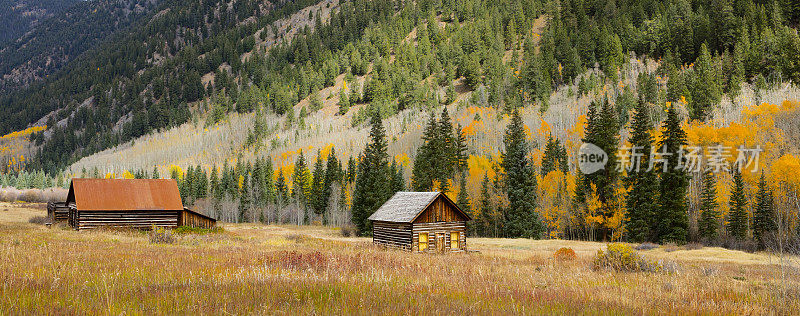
420	222
57	212
134	203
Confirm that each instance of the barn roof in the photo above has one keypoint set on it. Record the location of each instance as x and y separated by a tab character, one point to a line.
404	207
124	194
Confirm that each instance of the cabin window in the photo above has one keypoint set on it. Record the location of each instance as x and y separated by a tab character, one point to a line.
423	241
454	240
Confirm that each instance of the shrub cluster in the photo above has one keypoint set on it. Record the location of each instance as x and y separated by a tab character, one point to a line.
160	235
564	254
622	257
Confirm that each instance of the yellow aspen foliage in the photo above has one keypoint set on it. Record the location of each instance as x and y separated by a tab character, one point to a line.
127	175
110	175
24	132
174	169
555	191
402	159
473	128
544	129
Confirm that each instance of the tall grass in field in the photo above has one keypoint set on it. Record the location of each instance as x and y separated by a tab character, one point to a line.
252	268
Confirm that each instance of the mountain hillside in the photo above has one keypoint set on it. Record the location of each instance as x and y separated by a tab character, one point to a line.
19	16
272	111
65	35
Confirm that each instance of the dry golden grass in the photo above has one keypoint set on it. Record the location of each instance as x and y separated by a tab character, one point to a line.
303	270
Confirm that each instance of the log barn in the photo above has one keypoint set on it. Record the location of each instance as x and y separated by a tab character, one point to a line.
135	203
420	222
57	212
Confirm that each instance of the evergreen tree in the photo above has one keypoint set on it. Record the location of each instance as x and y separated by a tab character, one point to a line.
422	175
521	219
398	183
764	217
352	170
737	216
318	200
281	191
486	223
672	220
371	189
602	130
460	149
344	102
269	184
707	90
333	174
709	214
301	182
641	204
462	199
155	173
244	199
554	157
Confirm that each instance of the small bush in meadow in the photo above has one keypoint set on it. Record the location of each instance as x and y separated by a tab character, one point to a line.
564	254
348	231
160	236
622	257
693	246
646	246
39	220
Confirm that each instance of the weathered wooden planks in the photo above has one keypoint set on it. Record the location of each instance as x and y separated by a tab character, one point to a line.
57	212
439	230
132	219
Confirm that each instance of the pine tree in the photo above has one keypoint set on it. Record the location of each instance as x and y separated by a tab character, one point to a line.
344	102
764	217
215	186
352	170
281	191
301	182
737	216
244	199
483	222
462	199
396	172
371	189
155	173
641	204
460	154
426	160
707	90
333	174
709	214
317	199
269	183
521	219
602	130
671	218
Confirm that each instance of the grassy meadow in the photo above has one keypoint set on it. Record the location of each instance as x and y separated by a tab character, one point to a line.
258	269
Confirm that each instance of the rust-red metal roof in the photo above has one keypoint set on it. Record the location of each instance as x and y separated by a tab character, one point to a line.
124	194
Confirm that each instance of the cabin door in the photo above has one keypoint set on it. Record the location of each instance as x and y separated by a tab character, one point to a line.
440	242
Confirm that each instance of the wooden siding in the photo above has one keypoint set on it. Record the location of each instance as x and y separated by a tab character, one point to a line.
395	235
134	219
437	230
440	211
191	219
57	211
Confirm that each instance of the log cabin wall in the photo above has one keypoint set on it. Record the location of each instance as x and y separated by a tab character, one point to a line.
439	211
57	211
132	219
395	235
192	219
440	230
